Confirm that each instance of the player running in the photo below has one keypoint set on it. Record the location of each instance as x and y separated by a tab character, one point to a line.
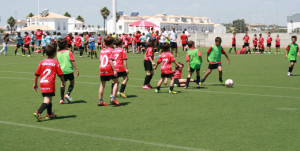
291	54
47	70
67	62
214	59
233	43
166	58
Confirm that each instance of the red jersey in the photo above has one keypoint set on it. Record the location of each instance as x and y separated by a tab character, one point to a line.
130	40
246	39
119	55
269	40
133	40
75	40
105	67
255	41
277	41
47	69
233	40
27	40
137	36
261	41
177	74
78	41
183	38
149	53
126	43
167	59
99	40
157	37
38	35
69	39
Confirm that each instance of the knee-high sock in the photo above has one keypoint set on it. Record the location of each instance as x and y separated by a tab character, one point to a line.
70	89
42	108
62	92
49	109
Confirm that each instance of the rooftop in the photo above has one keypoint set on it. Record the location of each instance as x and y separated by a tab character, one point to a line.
51	15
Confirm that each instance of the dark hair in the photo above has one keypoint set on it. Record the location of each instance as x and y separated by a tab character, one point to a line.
183	32
47	33
119	42
62	44
26	32
76	33
218	39
177	67
295	37
143	34
18	33
50	50
54	33
150	43
269	32
32	32
109	40
165	46
58	33
260	34
254	34
190	43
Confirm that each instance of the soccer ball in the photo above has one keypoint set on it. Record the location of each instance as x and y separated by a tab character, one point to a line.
229	83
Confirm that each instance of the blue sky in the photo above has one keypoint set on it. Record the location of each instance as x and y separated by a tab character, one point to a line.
219	11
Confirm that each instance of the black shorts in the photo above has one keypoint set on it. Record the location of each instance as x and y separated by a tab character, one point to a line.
167	75
255	46
99	44
143	44
269	45
138	44
148	65
122	74
69	45
293	61
68	77
214	66
233	45
246	44
32	43
277	46
173	45
176	81
183	45
26	46
44	48
192	70
48	94
19	45
107	78
129	45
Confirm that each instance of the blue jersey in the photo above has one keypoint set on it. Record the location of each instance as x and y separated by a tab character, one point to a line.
92	41
44	42
32	36
142	38
48	39
59	37
19	39
54	37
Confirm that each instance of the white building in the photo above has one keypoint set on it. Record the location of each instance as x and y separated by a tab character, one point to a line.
219	29
198	24
293	23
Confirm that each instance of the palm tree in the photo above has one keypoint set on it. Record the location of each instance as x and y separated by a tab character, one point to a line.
80	18
30	15
117	16
67	14
11	22
105	13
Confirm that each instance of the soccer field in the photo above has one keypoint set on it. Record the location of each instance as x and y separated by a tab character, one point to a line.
261	112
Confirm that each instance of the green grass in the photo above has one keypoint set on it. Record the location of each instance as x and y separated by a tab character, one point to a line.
261	112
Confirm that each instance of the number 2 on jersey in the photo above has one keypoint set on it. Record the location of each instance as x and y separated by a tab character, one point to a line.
47	74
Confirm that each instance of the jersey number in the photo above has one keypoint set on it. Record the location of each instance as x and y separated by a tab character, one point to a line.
47	74
116	57
104	61
165	61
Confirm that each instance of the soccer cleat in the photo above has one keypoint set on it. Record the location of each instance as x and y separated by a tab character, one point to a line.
149	86
146	87
290	74
61	102
52	116
175	85
38	116
198	86
118	94
172	92
29	56
23	55
185	87
123	95
222	82
102	104
156	91
69	99
115	102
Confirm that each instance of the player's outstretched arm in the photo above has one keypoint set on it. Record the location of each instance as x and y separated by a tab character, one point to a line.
35	86
74	65
178	64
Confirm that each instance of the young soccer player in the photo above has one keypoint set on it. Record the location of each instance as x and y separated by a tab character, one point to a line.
269	42
214	59
255	43
67	62
277	40
38	34
178	82
166	58
129	42
81	44
6	39
194	60
99	41
27	40
126	45
44	44
54	40
75	42
69	39
32	42
19	39
261	43
233	43
134	44
246	39
184	39
143	42
47	70
92	46
148	65
108	71
292	51
120	64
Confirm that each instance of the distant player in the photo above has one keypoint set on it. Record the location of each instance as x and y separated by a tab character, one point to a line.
269	42
99	41
148	65
255	40
32	42
246	39
120	64
277	40
143	43
126	45
134	44
27	40
129	42
261	44
19	39
108	71
47	70
291	54
214	59
184	40
38	35
178	82
44	44
81	45
233	43
75	42
194	61
67	62
138	41
69	39
92	46
54	40
166	58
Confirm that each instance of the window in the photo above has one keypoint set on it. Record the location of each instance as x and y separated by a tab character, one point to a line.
120	27
64	27
58	26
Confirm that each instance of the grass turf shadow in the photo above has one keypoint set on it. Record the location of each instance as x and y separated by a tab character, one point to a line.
122	104
79	101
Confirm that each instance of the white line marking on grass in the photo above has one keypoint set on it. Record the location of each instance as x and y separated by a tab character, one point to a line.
258	86
103	137
200	91
288	109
